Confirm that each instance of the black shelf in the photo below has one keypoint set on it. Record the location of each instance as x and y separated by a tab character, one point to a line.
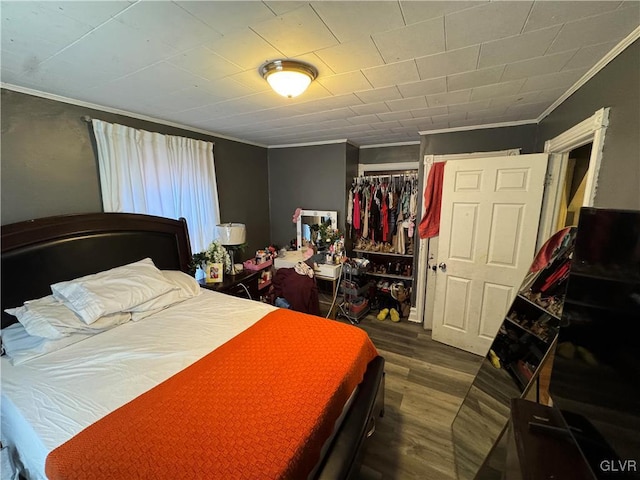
389	254
515	322
528	300
390	275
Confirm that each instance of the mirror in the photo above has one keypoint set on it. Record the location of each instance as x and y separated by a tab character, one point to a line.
513	363
307	224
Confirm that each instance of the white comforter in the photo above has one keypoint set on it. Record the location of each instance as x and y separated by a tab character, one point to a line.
51	398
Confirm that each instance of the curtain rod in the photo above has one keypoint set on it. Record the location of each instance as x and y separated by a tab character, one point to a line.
86	118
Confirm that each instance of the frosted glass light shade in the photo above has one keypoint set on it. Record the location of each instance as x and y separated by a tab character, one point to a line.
289	84
231	233
288	78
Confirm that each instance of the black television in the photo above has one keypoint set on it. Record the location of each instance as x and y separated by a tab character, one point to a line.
595	379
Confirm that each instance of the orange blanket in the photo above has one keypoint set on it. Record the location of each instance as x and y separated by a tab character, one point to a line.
258	407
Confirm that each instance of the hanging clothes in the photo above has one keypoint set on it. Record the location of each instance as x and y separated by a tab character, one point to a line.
430	223
350	208
356	211
377	203
366	194
384	214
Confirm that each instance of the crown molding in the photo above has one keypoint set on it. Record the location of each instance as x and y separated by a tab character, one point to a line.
311	144
117	111
479	127
579	134
604	61
396	144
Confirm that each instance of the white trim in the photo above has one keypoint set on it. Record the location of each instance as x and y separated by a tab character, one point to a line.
603	62
117	111
310	144
592	129
429	159
556	172
384	145
385	167
478	127
579	134
414	316
595	160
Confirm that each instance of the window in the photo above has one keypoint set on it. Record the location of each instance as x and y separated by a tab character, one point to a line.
163	175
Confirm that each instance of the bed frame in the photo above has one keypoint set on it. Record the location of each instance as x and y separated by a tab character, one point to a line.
40	252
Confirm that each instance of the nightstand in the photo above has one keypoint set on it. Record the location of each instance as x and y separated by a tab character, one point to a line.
235	284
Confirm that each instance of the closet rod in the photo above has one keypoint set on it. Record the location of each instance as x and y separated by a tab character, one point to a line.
390	175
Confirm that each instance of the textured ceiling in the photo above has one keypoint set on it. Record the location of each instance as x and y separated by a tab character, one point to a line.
388	70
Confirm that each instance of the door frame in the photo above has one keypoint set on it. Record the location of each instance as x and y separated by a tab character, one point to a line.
363	168
425	289
590	130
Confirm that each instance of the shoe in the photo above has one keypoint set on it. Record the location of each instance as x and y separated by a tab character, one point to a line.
395	316
493	358
383	314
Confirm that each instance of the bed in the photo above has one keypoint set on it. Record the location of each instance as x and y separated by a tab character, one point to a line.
154	363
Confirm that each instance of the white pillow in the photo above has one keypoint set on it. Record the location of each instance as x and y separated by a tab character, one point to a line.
116	290
20	347
49	318
187	287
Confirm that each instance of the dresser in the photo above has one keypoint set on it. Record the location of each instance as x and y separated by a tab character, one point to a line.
243	284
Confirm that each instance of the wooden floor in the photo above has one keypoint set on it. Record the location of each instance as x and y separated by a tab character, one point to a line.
425	384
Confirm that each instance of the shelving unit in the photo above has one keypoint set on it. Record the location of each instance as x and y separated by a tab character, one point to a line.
389	254
266	274
531	325
355	304
383	271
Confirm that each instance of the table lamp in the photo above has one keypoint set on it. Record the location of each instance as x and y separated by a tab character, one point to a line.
231	236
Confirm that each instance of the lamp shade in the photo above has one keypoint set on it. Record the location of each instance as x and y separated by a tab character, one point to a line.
288	78
231	233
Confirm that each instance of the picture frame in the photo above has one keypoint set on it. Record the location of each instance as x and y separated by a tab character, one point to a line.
214	272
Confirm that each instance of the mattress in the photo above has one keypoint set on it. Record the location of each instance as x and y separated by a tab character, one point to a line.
47	400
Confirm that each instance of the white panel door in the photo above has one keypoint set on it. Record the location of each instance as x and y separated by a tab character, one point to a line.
488	230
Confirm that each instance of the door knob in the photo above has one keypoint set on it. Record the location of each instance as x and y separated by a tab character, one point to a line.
434	268
443	267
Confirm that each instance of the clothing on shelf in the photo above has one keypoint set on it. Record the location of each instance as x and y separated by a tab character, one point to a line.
383	208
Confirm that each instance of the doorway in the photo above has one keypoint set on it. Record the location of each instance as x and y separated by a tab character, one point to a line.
573	186
588	134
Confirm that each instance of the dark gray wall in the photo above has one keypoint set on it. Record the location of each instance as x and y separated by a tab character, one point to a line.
312	178
484	140
616	86
49	166
391	154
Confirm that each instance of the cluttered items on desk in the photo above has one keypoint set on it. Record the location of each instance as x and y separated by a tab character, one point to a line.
323	270
318	242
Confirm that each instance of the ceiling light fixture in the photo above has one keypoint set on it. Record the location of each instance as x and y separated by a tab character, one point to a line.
288	78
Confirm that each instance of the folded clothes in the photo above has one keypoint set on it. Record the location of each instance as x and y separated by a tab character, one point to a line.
302	268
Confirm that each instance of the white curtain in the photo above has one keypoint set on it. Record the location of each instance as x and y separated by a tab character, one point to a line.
164	175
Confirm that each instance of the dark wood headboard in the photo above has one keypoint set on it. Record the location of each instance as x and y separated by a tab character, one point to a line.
40	252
